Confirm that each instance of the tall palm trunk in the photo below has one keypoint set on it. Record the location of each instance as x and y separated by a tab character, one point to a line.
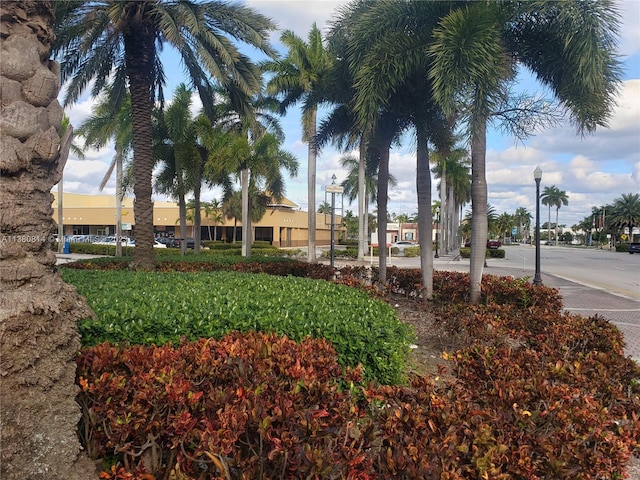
182	212
197	217
119	197
383	198
451	217
556	225
138	46
39	312
246	213
311	180
362	195
444	211
60	215
549	224
425	217
479	223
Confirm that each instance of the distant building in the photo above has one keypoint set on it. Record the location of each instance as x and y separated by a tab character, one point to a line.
283	224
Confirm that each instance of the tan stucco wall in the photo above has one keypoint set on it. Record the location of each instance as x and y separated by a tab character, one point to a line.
100	210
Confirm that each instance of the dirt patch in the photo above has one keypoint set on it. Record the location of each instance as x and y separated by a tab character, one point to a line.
432	336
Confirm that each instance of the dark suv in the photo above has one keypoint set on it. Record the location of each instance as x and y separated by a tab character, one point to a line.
492	244
634	247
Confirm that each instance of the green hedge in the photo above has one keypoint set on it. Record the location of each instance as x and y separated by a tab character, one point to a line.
160	307
490	253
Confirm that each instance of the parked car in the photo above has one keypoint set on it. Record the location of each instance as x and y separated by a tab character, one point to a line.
634	247
492	244
126	241
191	242
402	244
166	241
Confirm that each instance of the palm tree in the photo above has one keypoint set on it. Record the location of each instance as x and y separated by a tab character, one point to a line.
553	196
351	183
121	40
389	65
232	210
101	127
626	212
474	54
40	340
301	77
504	223
213	211
325	207
523	220
66	124
451	167
176	147
263	160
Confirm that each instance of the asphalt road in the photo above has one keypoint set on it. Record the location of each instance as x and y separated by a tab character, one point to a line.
615	272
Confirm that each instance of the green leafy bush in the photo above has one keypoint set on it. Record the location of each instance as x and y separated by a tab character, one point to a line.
489	253
622	247
160	307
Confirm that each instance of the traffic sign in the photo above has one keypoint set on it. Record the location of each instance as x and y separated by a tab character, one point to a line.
334	188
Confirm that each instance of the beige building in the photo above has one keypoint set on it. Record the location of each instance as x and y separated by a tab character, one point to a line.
283	224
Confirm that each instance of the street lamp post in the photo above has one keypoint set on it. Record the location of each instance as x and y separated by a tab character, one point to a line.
537	175
333	189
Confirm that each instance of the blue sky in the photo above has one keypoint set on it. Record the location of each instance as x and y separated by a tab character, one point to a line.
593	170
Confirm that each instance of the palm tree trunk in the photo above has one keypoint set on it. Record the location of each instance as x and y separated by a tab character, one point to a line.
556	226
549	225
182	213
311	180
479	226
197	218
39	314
362	195
60	215
444	211
246	214
119	197
383	192
138	46
452	216
425	217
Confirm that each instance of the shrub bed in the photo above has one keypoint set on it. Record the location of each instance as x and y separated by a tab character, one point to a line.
537	393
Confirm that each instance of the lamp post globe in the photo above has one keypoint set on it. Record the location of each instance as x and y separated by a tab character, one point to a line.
537	176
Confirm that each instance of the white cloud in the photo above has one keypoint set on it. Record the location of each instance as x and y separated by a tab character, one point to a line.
297	15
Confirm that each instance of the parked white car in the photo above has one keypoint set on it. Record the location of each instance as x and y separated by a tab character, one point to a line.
126	241
402	244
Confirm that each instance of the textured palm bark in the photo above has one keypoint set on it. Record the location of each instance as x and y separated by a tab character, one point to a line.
311	186
479	222
38	311
139	43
